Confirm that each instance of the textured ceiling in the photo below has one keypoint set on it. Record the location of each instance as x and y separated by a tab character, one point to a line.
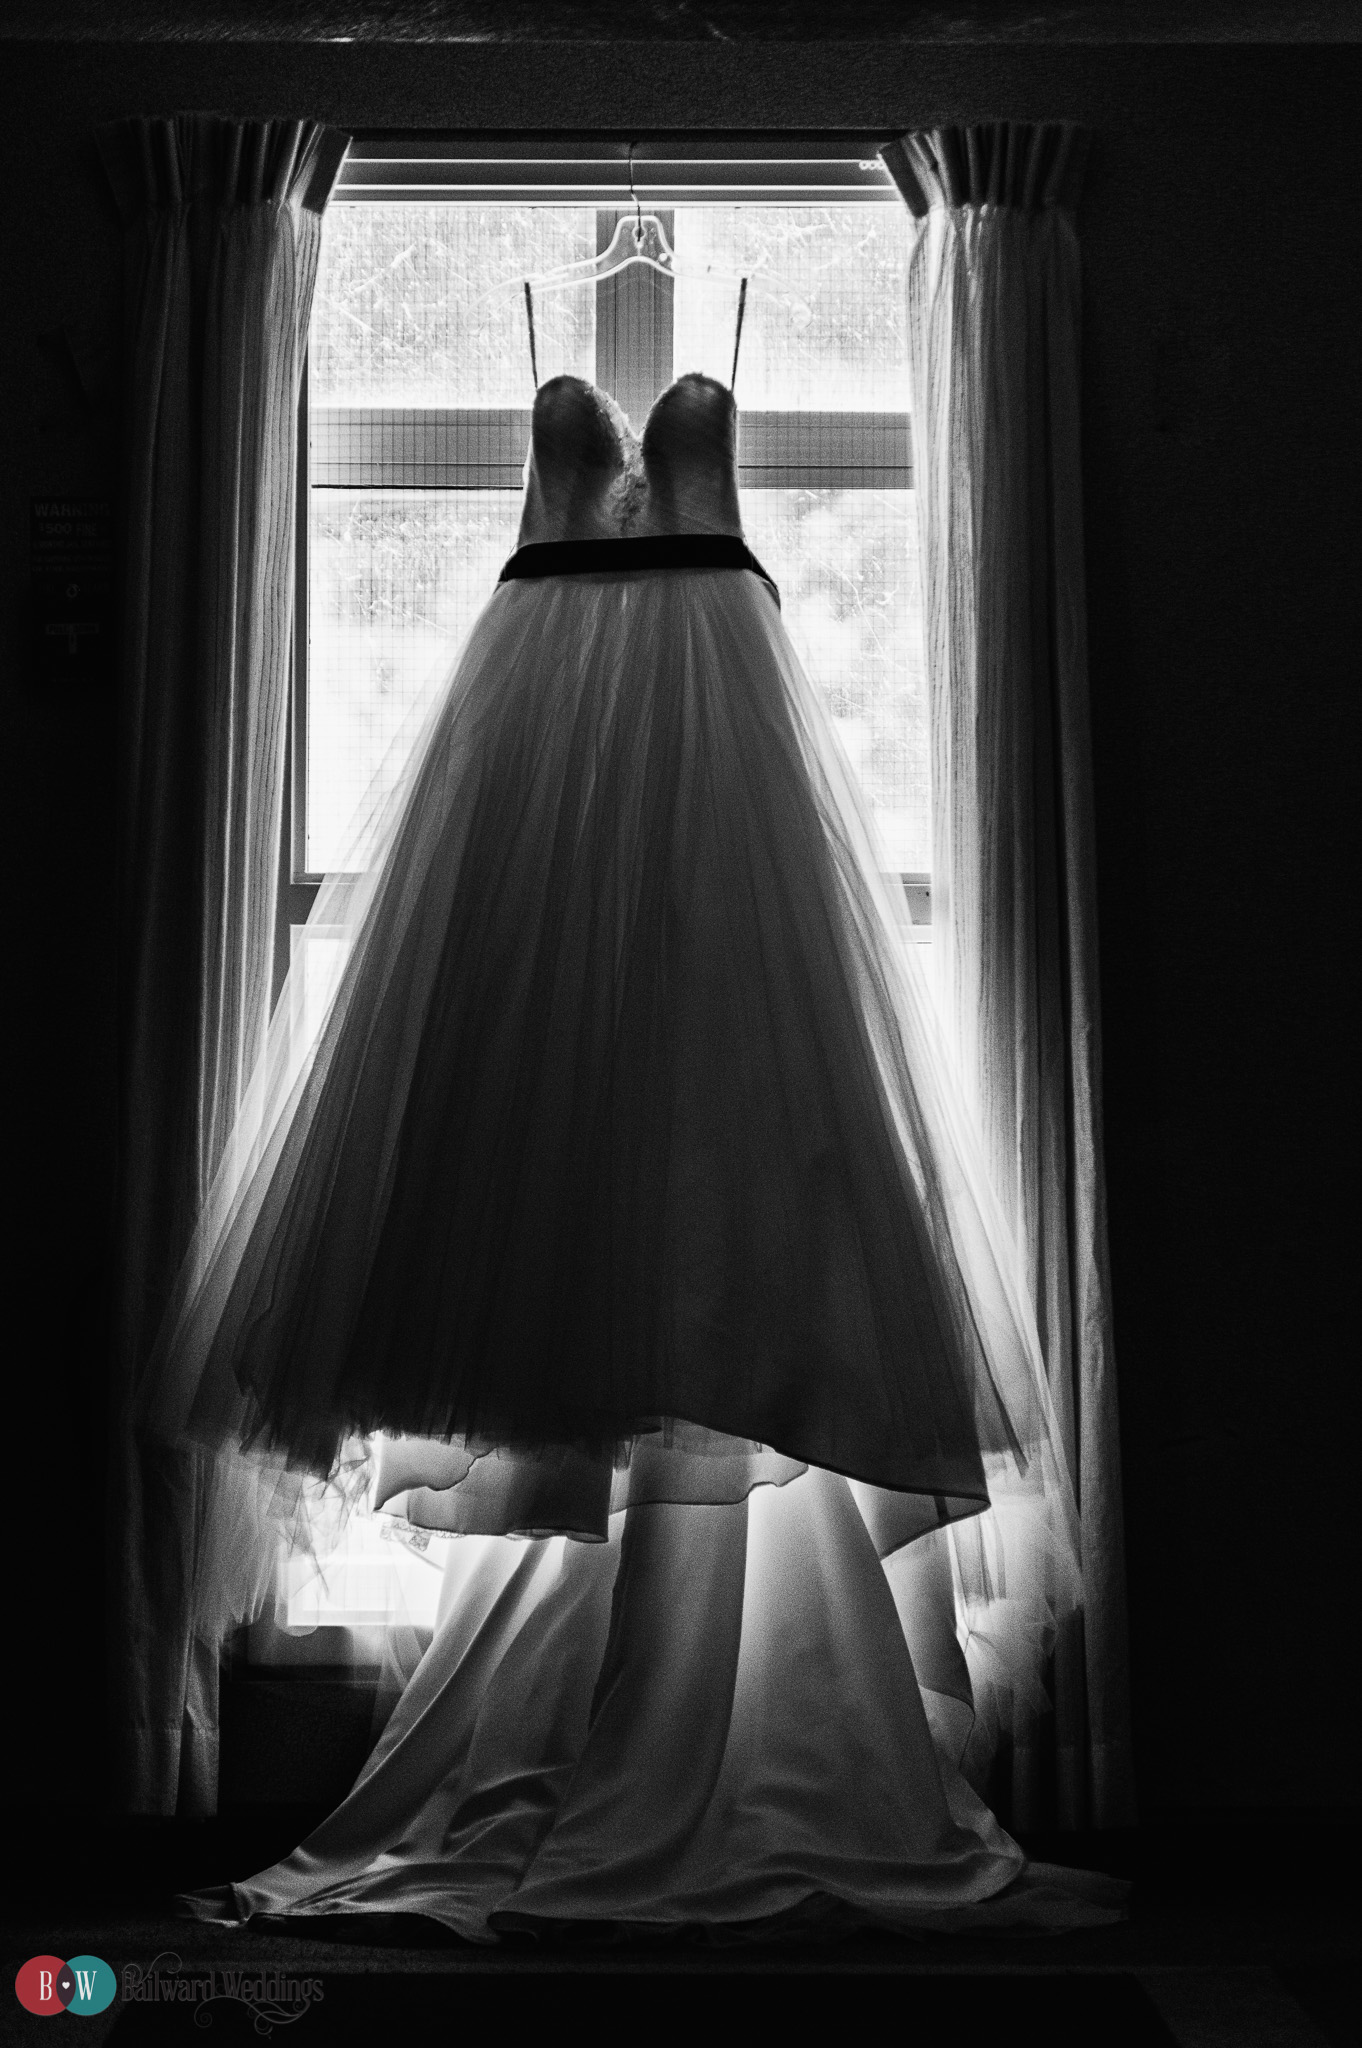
902	21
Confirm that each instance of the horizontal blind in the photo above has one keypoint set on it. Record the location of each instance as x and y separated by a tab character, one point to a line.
433	169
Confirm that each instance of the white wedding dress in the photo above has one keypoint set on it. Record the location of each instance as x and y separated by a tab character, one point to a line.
624	1216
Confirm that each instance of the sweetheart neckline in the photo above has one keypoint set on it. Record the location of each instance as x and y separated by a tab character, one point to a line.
612	407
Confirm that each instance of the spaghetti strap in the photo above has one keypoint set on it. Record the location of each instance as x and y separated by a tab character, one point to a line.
737	338
529	321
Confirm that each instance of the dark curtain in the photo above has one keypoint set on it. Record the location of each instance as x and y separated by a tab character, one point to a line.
222	225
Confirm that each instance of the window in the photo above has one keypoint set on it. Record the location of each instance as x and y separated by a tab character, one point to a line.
416	418
418	399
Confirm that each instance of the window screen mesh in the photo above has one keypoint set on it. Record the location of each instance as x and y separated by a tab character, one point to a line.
421	305
419	383
396	579
825	325
846	563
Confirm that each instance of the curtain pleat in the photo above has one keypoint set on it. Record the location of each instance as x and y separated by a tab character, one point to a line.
222	225
994	325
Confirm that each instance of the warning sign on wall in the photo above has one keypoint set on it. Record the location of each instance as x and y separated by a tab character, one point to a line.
71	558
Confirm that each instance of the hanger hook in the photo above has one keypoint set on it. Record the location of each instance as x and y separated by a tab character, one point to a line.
638	207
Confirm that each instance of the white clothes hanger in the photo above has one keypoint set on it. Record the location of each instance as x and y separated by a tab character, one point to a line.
640	240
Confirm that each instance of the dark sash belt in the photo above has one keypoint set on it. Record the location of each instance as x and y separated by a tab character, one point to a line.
640	551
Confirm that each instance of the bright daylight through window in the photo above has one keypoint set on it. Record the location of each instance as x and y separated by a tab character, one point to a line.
418	395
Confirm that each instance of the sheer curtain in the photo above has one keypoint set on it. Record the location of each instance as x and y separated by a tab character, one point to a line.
222	224
993	320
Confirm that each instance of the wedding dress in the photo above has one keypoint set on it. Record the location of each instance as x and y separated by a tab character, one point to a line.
624	1216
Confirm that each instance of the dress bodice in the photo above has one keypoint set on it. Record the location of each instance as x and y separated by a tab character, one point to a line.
581	467
589	477
689	452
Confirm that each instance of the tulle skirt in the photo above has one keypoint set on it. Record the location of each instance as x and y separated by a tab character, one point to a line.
627	1164
624	1192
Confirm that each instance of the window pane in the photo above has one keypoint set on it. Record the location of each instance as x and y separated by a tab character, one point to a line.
317	956
846	563
825	326
421	305
396	580
354	1584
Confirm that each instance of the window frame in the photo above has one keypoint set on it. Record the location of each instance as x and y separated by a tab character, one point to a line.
790	170
484	448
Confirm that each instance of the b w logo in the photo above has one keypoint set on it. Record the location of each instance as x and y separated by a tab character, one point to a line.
46	1985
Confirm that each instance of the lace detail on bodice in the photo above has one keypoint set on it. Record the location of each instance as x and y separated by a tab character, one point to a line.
589	477
689	451
580	468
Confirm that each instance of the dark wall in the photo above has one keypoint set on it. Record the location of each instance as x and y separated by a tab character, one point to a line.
1221	246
